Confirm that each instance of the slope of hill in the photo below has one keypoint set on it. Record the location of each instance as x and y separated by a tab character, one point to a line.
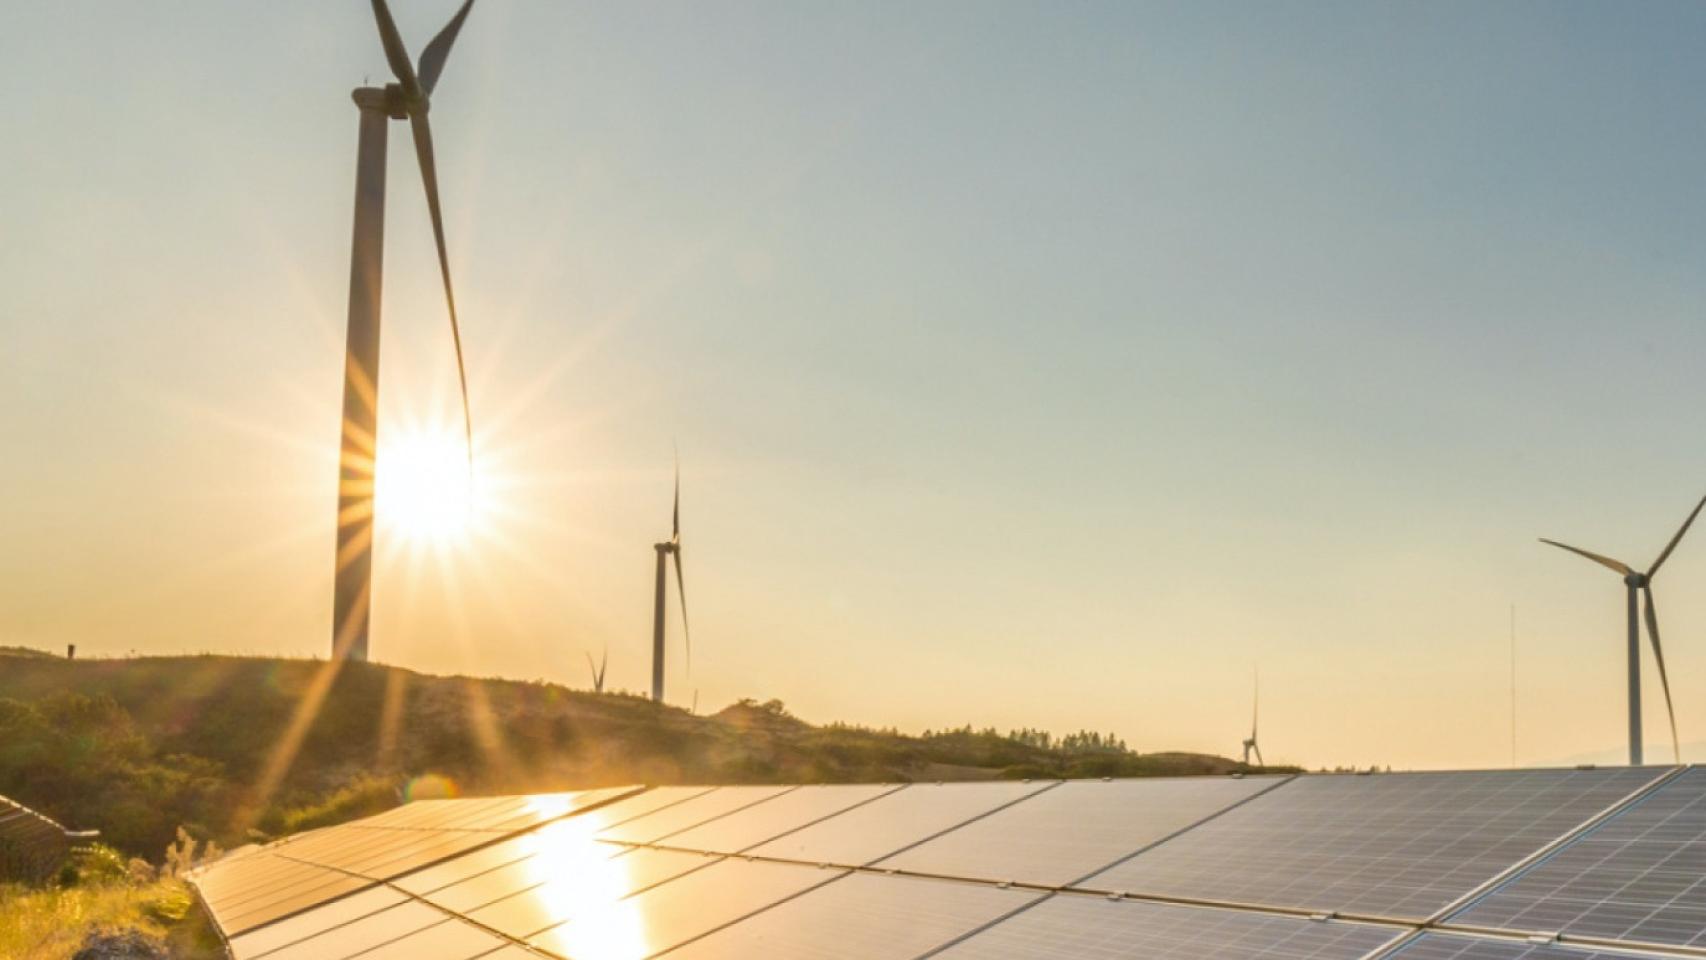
240	748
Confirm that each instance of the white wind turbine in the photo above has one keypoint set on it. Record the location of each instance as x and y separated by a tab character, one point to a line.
1637	581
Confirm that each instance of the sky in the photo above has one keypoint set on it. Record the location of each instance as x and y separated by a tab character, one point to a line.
1031	365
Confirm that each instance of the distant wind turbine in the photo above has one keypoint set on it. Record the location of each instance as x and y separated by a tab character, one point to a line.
666	550
407	99
1255	714
1637	581
598	671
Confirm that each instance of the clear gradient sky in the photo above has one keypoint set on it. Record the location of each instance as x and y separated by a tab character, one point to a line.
1031	364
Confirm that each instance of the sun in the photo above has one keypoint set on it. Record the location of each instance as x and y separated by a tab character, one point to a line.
422	487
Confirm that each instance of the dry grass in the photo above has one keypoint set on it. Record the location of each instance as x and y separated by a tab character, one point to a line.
51	923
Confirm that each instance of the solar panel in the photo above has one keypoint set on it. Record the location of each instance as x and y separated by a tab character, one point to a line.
774	817
364	934
680	910
460	880
1442	947
320	866
862	917
896	821
303	926
1388	845
451	940
1076	927
1075	829
1639	876
689	813
276	905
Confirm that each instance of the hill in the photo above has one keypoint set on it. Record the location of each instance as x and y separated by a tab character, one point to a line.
237	749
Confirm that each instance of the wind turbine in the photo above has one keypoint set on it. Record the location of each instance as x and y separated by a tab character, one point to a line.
1642	582
598	670
1255	714
669	548
407	99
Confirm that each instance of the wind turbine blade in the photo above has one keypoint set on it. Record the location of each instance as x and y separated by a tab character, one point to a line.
396	54
1620	567
429	178
592	669
681	591
1664	680
675	521
1676	539
433	57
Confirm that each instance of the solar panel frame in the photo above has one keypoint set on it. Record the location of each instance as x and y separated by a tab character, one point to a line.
1068	926
1440	946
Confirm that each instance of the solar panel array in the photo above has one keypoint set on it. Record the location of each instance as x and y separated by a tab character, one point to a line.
1498	865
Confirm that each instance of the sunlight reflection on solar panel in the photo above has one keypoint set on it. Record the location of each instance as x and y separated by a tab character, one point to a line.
677	911
566	884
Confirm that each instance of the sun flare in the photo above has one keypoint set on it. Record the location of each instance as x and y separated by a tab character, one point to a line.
422	486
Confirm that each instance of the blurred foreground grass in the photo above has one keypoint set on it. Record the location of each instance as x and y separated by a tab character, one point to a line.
55	921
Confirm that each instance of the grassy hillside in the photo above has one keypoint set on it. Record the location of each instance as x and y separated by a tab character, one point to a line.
137	747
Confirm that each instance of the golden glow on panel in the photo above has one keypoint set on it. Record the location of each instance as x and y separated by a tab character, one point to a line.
581	880
423	490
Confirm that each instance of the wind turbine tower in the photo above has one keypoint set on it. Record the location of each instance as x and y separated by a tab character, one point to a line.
1637	581
407	99
667	550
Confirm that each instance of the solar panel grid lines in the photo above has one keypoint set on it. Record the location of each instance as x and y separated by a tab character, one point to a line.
681	910
557	893
1079	828
894	822
1395	847
677	818
1071	926
259	943
1637	877
1636	797
275	906
774	817
861	916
